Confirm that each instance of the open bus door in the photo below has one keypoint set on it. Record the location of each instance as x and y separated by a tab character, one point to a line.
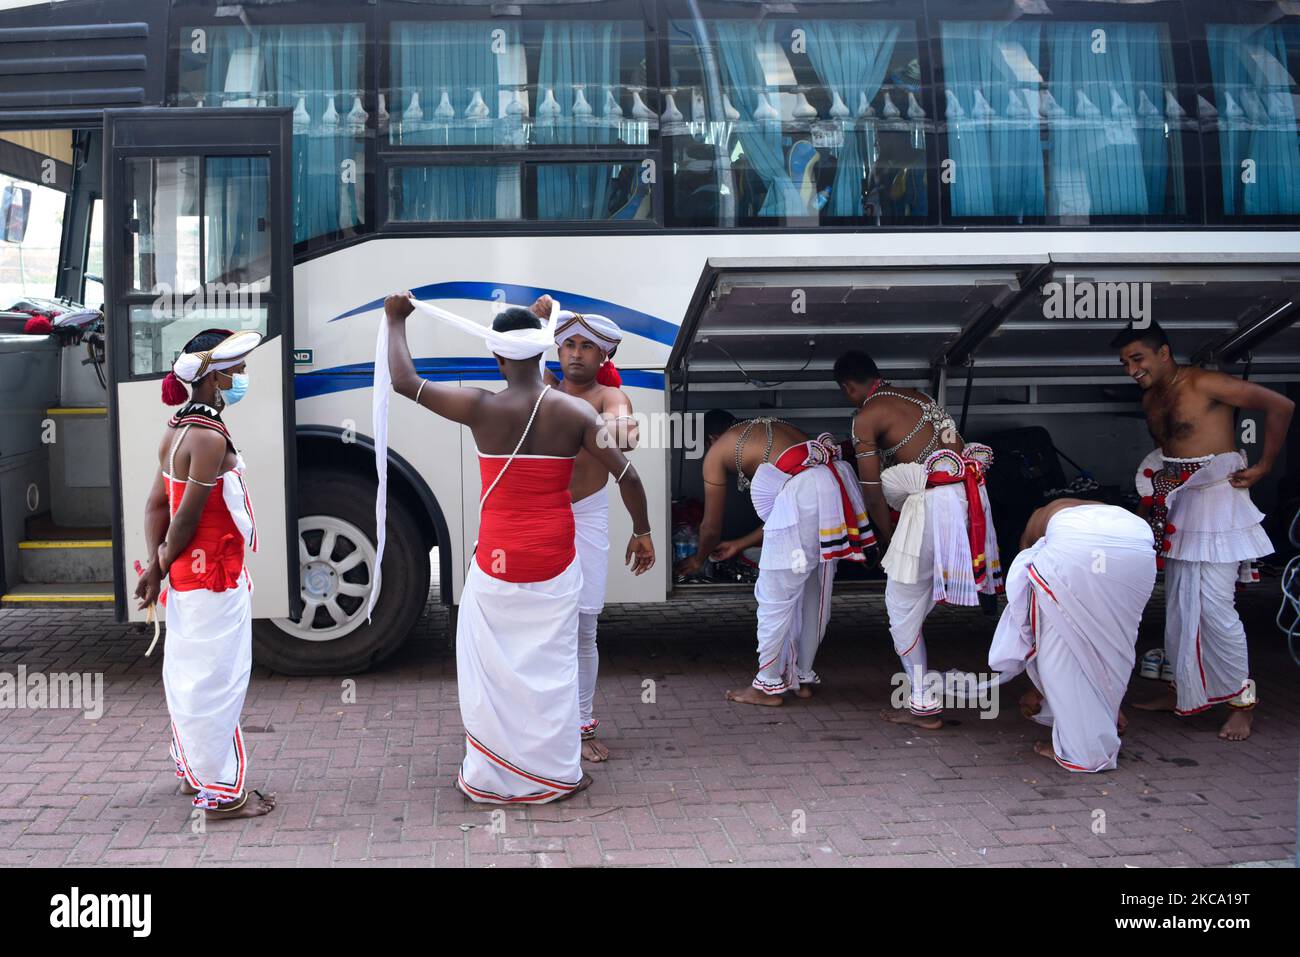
198	235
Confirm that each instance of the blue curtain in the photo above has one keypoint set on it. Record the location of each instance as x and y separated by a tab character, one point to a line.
993	137
586	56
1252	91
737	45
1098	164
430	59
321	65
850	58
237	237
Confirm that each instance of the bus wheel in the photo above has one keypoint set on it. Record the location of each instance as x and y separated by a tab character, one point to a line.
336	553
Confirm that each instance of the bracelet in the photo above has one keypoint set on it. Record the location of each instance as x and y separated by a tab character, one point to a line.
860	482
641	534
716	484
423	383
627	466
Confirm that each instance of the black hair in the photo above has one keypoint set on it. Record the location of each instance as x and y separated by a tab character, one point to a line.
1153	337
717	421
515	317
207	339
855	366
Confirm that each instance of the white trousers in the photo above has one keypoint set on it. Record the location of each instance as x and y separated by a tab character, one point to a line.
793	611
1204	636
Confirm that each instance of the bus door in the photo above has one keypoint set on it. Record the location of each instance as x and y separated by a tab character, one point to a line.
198	235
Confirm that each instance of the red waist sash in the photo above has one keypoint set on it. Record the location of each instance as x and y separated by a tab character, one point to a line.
818	453
972	476
526	532
215	555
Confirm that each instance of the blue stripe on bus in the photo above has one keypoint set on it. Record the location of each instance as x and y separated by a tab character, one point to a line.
361	375
629	320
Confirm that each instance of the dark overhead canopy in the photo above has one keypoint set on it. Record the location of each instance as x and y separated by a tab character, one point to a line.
788	319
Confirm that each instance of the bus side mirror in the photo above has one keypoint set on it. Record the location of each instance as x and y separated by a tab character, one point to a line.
15	204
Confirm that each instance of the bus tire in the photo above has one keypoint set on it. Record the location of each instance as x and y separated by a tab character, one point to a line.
336	503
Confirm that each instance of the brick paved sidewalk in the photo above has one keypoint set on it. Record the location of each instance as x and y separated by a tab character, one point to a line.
694	780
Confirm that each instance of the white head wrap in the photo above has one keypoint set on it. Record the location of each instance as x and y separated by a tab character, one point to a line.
604	332
519	344
229	352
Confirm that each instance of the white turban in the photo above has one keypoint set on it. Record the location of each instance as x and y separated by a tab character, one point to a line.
604	332
228	353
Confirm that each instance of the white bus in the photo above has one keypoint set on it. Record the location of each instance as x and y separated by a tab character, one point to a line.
977	193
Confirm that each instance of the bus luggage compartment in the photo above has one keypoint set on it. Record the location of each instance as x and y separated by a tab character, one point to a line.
1016	347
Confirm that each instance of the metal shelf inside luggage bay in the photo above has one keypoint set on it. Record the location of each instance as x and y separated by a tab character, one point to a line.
761	336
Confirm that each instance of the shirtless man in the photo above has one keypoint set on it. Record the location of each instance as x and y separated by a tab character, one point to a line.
944	520
812	517
1194	489
586	344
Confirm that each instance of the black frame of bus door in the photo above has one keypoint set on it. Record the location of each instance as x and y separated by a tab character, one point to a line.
225	132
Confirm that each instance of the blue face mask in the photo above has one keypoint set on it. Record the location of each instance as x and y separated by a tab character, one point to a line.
238	387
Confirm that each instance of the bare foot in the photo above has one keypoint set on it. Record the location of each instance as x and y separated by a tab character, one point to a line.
1045	749
1237	727
930	722
1031	702
582	786
255	805
803	691
593	750
754	696
1121	724
1166	700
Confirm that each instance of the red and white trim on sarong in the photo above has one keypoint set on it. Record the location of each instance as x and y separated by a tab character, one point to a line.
549	787
212	794
1071	622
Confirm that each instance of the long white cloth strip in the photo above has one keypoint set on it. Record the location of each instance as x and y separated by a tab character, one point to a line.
520	344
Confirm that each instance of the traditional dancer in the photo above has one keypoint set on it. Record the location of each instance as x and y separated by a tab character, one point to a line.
517	630
1075	595
1194	492
586	344
198	520
944	548
812	517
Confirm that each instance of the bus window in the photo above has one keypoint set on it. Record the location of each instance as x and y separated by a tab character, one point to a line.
797	122
31	268
1253	69
575	192
93	291
564	86
204	271
314	69
1061	122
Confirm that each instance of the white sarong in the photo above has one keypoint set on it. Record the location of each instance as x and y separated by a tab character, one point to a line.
794	582
591	541
207	659
1074	604
516	671
1215	528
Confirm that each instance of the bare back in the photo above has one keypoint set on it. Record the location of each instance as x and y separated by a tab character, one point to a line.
181	463
1184	421
754	450
886	421
558	429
